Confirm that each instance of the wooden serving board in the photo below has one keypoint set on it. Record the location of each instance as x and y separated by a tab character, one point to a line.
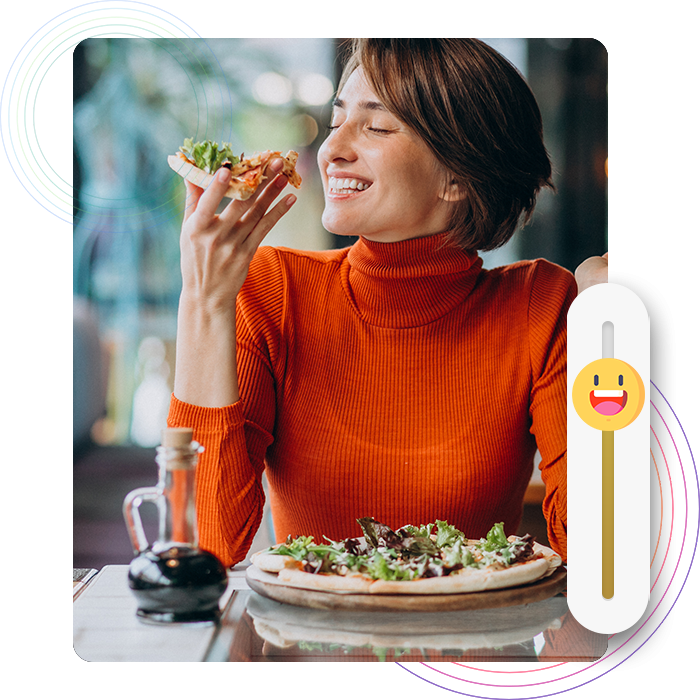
266	584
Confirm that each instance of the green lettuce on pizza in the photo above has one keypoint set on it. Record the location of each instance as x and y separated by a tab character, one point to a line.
410	553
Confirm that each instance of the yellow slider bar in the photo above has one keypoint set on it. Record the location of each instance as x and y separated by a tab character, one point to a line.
608	520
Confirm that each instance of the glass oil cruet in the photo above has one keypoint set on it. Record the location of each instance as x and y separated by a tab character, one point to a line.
174	581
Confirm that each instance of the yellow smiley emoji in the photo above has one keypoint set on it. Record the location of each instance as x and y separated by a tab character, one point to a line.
608	394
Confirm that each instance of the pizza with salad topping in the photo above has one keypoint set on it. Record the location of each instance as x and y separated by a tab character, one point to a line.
428	559
199	161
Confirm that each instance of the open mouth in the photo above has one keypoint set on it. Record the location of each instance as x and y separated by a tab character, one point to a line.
608	402
339	185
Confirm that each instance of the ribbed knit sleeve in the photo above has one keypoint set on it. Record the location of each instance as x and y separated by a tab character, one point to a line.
553	289
230	495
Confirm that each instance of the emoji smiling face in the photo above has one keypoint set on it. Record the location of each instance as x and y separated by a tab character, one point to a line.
608	394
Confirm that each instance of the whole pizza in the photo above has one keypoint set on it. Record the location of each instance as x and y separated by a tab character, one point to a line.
428	559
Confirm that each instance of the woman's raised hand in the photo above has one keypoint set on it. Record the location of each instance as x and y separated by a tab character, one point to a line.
216	250
215	254
592	271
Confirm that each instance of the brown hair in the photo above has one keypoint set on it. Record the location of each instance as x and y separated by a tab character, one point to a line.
478	116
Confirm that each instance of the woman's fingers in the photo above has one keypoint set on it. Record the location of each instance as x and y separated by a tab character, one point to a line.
248	221
264	201
264	226
191	198
592	271
262	197
211	198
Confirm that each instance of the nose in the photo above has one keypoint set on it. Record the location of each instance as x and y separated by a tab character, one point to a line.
340	145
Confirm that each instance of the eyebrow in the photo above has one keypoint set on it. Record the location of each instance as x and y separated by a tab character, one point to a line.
363	105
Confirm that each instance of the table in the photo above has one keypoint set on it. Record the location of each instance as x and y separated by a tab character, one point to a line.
254	628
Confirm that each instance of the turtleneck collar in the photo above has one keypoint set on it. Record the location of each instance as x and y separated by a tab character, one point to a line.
409	283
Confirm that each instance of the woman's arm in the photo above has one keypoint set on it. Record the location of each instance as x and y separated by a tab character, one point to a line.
205	365
216	253
553	290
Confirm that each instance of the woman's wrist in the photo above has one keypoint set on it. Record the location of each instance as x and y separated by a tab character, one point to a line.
194	303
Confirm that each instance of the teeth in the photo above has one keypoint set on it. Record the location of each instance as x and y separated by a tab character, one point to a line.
603	393
336	184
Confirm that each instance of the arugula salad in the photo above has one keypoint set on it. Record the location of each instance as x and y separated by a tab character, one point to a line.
436	549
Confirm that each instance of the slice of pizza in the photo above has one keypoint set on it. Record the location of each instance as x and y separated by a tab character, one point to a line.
428	559
199	161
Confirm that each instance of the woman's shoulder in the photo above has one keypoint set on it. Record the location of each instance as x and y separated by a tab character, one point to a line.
530	275
530	272
292	258
275	272
543	286
276	266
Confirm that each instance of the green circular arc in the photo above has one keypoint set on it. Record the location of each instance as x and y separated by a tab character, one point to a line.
37	67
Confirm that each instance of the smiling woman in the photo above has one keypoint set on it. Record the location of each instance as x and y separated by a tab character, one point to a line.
473	112
395	378
370	159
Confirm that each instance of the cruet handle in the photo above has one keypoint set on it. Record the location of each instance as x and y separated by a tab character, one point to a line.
131	506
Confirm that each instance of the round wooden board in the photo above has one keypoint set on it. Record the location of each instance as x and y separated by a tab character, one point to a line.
267	585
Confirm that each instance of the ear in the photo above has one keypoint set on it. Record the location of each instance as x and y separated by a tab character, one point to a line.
453	192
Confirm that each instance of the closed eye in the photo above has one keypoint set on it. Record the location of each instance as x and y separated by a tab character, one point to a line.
332	127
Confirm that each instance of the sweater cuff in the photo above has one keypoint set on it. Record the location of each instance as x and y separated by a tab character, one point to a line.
205	418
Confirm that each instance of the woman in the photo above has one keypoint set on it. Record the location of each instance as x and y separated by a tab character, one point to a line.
395	379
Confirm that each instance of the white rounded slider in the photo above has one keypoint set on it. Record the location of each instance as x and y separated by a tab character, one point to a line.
608	459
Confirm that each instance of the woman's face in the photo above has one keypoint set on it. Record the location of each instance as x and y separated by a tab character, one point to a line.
380	179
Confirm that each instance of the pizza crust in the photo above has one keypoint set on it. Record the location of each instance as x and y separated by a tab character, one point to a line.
554	561
272	563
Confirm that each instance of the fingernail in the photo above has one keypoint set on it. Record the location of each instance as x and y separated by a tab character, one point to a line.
276	164
224	175
290	200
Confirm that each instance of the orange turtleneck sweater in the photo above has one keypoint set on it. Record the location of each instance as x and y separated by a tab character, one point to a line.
394	380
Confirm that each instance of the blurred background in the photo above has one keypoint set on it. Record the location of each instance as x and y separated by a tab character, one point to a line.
135	100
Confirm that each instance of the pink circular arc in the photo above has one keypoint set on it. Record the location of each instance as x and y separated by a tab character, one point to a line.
524	677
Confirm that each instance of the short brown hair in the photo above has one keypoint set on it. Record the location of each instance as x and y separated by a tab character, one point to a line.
478	116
